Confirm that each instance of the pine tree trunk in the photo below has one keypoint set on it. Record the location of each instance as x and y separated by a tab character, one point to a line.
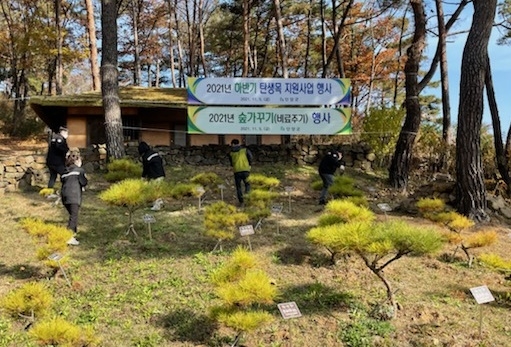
93	48
470	188
110	84
400	166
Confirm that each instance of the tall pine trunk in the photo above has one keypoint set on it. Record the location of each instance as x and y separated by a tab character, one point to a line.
93	48
109	82
470	188
400	166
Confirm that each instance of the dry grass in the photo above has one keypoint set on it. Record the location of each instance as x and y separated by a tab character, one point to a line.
137	292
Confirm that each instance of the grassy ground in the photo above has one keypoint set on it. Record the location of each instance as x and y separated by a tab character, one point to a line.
141	292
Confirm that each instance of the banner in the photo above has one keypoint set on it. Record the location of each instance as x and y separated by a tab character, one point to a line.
269	91
268	121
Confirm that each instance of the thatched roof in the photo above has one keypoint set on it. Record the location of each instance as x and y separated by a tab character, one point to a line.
129	97
53	110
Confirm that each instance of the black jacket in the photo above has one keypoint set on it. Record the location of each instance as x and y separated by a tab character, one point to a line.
151	161
57	151
73	180
330	163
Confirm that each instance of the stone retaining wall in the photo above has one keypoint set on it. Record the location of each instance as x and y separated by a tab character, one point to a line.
29	169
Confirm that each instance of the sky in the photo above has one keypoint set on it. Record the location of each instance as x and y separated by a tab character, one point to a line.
500	59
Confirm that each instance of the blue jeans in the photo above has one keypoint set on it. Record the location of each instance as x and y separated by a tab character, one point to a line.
240	177
328	180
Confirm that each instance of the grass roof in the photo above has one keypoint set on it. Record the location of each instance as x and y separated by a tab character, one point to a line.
129	97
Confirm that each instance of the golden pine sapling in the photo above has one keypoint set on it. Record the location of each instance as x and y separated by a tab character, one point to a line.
221	221
263	182
429	207
343	211
495	262
208	180
58	332
377	244
121	169
242	286
129	193
30	301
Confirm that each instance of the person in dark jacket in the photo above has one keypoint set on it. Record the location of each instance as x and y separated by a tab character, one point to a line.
327	167
151	161
241	161
56	157
73	184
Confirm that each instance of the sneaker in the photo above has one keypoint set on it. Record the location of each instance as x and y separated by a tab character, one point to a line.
73	242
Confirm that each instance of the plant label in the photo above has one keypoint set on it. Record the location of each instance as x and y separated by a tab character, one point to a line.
246	230
221	186
55	256
384	207
482	294
149	218
276	209
201	190
288	189
289	310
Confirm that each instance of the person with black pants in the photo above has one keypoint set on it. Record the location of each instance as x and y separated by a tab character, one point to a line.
56	157
73	184
327	167
241	160
152	163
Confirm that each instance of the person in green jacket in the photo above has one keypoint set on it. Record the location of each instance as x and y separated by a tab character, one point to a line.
241	161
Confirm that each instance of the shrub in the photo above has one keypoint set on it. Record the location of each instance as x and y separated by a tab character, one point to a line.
51	238
378	244
242	286
262	182
121	169
209	180
454	221
30	300
130	193
495	261
428	207
46	192
343	211
58	332
221	220
480	239
343	186
242	321
258	202
182	190
239	262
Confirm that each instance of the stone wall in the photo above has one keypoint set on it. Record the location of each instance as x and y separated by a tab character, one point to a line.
29	169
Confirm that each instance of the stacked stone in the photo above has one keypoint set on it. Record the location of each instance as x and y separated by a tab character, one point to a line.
30	169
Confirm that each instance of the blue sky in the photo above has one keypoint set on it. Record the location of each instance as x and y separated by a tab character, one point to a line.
501	73
500	58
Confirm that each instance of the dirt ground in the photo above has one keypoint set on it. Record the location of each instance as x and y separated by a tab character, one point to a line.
436	305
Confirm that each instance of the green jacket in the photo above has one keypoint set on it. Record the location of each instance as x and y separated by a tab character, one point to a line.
241	159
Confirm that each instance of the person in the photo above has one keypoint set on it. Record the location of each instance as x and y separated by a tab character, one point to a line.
241	160
73	184
327	167
152	162
56	157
